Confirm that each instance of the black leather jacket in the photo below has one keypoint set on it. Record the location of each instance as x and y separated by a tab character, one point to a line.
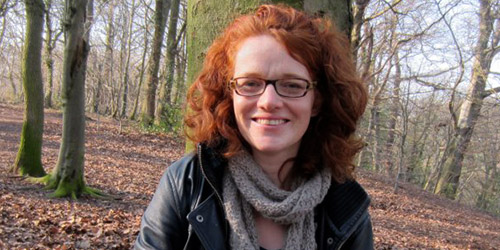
186	211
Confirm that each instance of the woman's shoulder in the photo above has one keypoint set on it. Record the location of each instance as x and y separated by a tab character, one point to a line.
347	189
182	171
346	200
181	165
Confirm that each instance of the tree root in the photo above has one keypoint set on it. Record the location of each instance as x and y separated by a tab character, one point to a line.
40	180
64	189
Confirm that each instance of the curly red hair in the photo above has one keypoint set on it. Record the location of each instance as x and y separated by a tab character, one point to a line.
329	140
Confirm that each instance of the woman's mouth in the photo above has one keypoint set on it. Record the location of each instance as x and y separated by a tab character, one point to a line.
269	121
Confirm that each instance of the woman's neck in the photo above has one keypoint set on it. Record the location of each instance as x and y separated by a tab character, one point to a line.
272	165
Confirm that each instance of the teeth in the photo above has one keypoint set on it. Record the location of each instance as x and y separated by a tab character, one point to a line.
270	122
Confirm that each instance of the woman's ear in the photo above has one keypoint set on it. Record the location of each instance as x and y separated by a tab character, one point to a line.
318	101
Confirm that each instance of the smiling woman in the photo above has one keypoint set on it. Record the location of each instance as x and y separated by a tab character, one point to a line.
272	125
274	112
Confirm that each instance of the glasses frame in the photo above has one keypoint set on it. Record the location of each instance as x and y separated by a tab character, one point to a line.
310	85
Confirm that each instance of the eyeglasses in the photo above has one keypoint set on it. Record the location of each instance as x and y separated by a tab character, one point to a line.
288	87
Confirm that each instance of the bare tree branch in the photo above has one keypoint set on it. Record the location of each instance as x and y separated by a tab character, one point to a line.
496	38
391	7
5	5
435	86
179	36
451	105
489	92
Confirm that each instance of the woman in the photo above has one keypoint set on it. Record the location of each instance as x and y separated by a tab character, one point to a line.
274	111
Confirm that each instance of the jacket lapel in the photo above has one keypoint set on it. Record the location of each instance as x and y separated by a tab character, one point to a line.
208	224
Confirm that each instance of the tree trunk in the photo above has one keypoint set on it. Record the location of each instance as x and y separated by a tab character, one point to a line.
366	69
485	194
12	81
166	86
471	107
375	134
96	97
29	156
127	61
148	108
358	20
339	11
402	143
180	81
2	33
142	69
50	44
67	177
107	66
394	114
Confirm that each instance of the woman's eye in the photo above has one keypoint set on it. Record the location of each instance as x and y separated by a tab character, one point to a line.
250	84
293	85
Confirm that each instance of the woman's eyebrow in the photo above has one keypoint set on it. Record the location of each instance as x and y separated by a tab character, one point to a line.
250	74
293	75
258	75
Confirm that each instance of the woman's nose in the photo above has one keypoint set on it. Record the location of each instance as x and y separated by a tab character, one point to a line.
270	99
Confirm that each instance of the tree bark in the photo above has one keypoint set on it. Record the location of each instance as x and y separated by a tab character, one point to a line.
166	86
127	61
67	177
393	117
142	69
50	44
358	20
148	108
180	80
471	107
339	11
2	33
29	156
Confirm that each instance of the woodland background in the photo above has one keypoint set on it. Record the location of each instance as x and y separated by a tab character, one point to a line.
431	68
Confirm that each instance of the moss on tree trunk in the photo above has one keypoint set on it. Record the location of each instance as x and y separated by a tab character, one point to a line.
67	177
29	157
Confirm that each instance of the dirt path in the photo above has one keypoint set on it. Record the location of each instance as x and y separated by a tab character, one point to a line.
129	165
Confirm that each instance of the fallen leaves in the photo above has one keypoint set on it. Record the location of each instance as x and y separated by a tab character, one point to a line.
126	166
415	219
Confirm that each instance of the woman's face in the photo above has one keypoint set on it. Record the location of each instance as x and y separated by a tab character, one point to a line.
271	124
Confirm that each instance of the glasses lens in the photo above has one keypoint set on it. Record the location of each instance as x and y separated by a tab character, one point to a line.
249	86
292	87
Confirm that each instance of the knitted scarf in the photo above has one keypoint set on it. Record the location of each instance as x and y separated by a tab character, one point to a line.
246	189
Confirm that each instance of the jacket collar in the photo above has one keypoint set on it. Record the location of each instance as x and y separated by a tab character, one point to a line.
213	165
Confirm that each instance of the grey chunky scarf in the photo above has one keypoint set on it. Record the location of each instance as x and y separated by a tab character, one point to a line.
246	188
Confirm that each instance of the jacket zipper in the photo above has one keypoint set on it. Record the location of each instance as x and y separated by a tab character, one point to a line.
213	187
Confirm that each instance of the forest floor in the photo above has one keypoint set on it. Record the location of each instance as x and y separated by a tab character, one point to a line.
127	164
